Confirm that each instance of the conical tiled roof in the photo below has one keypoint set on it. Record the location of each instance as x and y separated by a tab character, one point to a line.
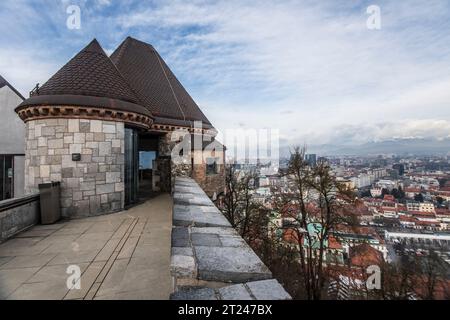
154	83
90	73
134	79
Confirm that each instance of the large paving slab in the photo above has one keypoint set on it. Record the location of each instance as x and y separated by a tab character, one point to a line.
121	256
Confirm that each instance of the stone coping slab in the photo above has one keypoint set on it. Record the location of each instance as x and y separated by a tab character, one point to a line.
188	189
255	290
207	251
230	264
191	199
185	215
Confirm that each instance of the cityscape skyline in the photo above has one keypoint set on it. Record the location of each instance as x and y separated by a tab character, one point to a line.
224	150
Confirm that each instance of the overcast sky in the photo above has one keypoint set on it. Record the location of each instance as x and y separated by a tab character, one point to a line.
309	68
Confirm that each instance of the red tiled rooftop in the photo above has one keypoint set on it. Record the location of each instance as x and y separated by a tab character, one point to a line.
414	190
427	223
422	213
407	219
442	212
365	255
333	243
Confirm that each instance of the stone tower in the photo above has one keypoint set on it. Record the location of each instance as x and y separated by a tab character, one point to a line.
88	124
81	111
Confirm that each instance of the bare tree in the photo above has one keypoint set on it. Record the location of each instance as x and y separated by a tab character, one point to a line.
244	213
322	204
397	280
230	199
415	277
431	276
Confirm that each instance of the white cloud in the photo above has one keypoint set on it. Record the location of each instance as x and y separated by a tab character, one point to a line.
252	63
311	69
385	131
24	70
104	2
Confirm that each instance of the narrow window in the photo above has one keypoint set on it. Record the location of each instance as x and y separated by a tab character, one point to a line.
211	166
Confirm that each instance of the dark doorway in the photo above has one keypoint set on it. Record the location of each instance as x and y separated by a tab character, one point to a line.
6	177
148	174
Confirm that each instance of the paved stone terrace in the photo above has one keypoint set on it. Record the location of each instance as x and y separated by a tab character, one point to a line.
121	256
210	260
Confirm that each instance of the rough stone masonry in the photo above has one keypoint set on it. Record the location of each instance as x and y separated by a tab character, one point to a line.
92	186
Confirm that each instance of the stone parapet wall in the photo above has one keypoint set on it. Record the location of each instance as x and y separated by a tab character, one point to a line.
210	260
92	186
18	214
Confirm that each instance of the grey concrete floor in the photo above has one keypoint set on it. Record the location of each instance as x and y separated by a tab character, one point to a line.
125	255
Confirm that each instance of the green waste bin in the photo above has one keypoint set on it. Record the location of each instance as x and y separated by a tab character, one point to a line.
50	194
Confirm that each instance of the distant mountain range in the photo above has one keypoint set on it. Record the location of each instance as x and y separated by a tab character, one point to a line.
394	146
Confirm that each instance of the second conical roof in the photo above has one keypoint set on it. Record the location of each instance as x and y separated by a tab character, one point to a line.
154	83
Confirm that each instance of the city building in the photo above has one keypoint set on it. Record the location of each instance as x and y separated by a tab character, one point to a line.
411	192
363	180
311	159
400	168
420	206
386	184
376	192
12	143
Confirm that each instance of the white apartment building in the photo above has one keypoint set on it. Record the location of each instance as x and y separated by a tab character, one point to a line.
387	184
362	180
264	181
376	192
379	173
420	206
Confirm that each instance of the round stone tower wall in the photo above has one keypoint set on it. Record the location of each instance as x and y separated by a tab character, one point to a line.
93	185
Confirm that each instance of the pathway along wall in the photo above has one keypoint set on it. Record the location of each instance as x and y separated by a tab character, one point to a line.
93	185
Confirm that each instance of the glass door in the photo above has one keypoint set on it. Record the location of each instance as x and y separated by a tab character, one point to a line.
131	166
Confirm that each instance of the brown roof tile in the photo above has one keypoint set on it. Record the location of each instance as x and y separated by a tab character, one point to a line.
135	78
154	82
90	73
